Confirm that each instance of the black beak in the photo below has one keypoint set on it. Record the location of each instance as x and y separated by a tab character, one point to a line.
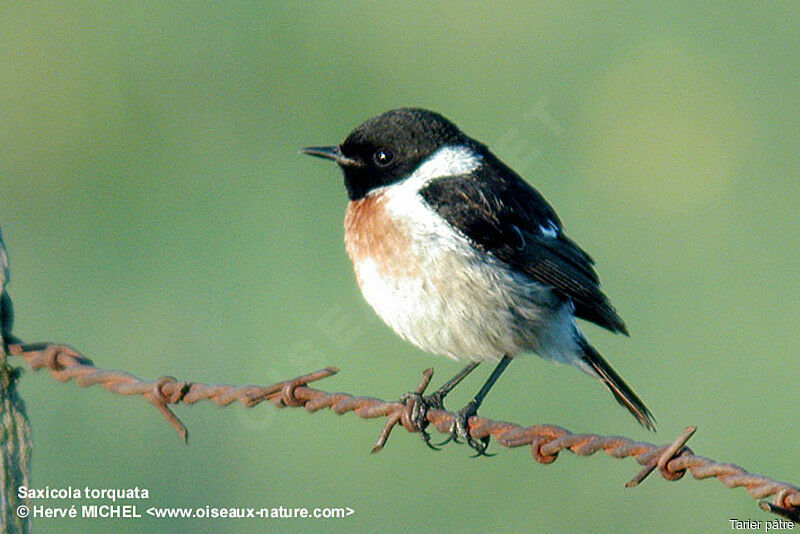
328	152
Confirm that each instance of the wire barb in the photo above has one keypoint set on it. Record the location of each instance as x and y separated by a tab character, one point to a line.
661	460
545	441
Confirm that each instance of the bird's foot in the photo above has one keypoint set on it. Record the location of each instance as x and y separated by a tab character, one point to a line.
459	430
420	404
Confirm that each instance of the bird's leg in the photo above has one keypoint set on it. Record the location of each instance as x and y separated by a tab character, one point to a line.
460	428
422	403
436	399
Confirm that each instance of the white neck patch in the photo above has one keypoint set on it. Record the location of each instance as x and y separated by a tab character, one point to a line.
447	161
404	201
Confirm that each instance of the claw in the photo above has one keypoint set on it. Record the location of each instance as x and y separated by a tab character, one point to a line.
483	444
460	429
426	439
447	440
419	409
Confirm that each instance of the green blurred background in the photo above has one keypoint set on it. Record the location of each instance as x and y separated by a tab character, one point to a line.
159	218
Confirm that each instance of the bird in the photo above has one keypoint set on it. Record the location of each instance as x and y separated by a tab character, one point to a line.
463	258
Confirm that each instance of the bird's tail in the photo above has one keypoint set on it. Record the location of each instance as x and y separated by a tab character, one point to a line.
600	368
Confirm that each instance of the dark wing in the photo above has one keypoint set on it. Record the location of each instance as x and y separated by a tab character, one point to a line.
501	214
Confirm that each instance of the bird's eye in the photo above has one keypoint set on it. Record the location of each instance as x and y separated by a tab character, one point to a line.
383	157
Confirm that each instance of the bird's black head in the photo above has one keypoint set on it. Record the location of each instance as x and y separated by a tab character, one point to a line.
387	148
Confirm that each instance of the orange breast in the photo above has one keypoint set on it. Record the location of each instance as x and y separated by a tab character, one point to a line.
371	234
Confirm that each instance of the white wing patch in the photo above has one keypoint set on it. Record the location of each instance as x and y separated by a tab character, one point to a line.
549	229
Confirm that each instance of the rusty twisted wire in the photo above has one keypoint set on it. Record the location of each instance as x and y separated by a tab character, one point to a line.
546	441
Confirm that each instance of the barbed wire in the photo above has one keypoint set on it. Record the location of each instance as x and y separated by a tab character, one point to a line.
546	441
